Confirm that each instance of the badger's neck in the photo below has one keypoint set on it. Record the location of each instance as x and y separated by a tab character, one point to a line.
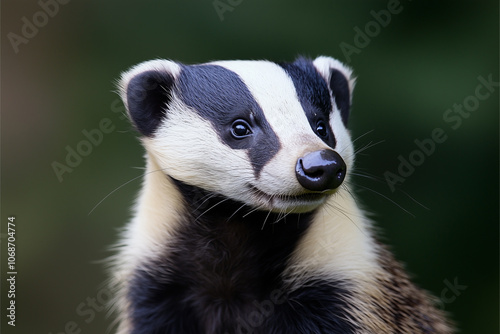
171	212
198	253
233	248
336	238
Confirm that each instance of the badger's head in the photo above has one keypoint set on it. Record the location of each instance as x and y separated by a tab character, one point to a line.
271	136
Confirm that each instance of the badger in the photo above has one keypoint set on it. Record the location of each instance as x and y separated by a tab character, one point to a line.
246	222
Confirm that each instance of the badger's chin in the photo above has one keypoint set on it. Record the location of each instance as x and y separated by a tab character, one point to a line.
288	203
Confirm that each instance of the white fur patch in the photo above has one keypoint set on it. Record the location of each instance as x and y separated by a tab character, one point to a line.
157	214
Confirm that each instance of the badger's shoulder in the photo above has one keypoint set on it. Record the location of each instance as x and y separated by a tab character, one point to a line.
405	307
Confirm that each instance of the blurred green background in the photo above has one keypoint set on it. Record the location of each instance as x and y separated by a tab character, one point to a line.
412	66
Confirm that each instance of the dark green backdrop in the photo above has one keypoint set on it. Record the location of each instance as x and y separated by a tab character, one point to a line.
415	61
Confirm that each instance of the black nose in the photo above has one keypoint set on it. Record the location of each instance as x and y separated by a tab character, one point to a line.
321	170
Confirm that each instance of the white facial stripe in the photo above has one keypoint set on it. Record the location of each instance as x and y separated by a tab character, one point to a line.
344	144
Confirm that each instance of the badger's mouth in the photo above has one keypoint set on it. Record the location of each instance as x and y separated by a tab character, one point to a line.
303	202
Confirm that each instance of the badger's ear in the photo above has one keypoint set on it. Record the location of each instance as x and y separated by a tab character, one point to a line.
146	92
340	80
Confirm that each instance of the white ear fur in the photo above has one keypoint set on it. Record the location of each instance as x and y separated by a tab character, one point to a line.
324	65
158	65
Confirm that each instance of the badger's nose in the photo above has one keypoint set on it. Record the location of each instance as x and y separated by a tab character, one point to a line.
320	170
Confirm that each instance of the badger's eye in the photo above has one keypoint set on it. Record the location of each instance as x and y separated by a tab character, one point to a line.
240	129
321	129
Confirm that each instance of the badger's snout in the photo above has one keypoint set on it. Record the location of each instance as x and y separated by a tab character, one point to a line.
321	170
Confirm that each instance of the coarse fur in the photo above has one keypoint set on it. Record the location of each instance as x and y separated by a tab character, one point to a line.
240	226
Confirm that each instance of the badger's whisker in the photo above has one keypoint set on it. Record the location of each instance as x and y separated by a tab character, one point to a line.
362	135
205	199
368	146
387	198
265	220
121	186
236	211
210	208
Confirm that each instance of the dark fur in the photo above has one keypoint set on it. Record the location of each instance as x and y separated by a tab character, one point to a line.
223	274
147	95
340	89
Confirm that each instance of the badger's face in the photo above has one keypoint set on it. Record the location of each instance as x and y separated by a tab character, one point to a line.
272	136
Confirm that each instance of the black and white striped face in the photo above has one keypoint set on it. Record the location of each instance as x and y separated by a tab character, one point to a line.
272	136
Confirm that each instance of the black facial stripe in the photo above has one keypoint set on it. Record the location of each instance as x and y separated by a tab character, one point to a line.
313	94
220	96
340	89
